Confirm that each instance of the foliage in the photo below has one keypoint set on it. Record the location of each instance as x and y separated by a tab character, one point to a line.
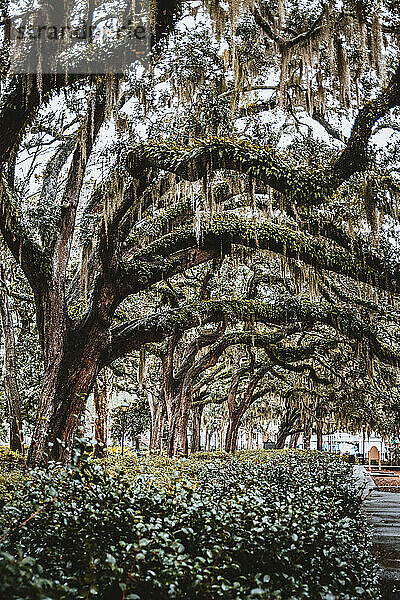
9	484
286	527
135	419
10	460
12	465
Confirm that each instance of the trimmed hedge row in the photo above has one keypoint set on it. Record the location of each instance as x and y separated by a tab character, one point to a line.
281	526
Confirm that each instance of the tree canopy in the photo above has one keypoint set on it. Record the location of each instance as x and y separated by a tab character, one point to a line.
239	196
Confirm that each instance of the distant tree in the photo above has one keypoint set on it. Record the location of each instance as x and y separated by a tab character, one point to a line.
135	420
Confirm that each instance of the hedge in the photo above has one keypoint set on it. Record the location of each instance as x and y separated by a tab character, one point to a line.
282	526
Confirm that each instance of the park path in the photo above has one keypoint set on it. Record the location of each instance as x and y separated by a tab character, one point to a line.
383	514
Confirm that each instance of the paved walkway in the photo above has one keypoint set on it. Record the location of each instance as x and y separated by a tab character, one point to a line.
383	514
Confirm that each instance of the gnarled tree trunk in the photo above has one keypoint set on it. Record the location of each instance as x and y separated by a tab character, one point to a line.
236	409
232	432
178	419
72	364
178	388
307	433
287	425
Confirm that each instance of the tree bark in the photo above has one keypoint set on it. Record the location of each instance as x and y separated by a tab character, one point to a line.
288	424
283	433
158	418
307	433
178	425
9	369
68	382
72	351
100	397
319	425
178	387
197	412
232	432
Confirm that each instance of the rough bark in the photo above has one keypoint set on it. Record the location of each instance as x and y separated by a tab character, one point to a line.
232	433
67	384
158	419
197	412
178	386
177	428
9	368
283	434
71	354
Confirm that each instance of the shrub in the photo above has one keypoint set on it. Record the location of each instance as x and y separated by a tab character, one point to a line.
9	485
10	461
284	527
12	465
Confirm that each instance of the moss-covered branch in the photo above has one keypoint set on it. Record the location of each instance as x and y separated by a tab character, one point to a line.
354	157
174	252
134	334
261	163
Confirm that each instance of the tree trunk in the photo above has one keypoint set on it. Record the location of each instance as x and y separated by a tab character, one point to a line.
67	384
9	369
232	432
319	436
248	445
234	413
178	420
178	400
197	412
294	438
158	418
319	425
72	351
100	398
283	433
307	433
288	426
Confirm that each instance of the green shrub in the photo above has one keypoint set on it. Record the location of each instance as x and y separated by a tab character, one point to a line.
12	465
10	461
9	485
286	526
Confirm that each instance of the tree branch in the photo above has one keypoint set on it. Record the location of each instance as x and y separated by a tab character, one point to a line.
133	334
